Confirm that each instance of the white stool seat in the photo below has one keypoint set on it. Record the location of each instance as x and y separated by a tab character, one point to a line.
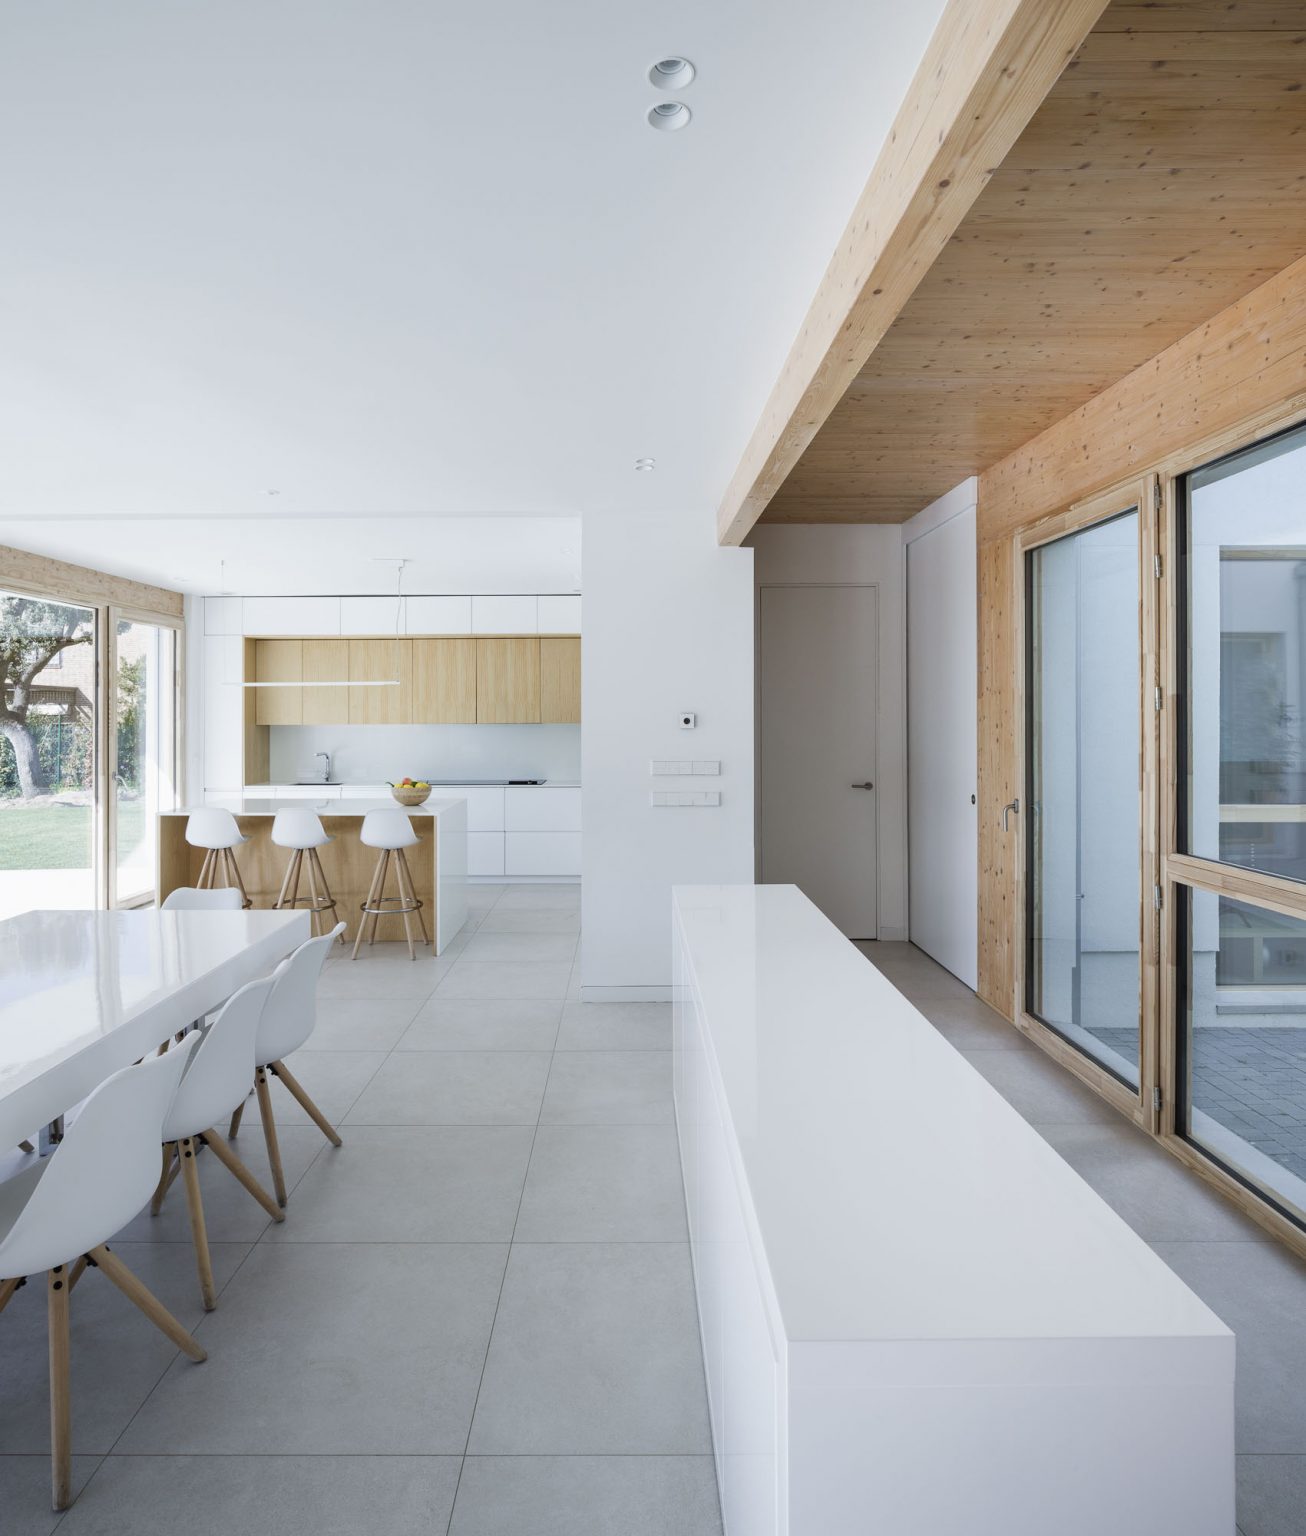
297	827
213	826
388	829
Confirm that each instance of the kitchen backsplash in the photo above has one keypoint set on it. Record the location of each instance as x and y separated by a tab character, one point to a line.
370	754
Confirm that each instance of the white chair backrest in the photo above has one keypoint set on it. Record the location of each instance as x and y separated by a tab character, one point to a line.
387	829
221	1072
212	826
102	1172
295	826
189	898
291	1009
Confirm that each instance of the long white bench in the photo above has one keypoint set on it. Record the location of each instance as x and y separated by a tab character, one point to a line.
917	1320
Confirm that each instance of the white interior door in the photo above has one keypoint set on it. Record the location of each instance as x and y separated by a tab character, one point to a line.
818	666
942	824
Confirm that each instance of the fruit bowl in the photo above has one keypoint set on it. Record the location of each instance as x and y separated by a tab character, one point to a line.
411	794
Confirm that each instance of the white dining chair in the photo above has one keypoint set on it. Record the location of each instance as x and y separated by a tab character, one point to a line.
190	898
391	832
216	1081
58	1215
300	829
214	829
289	1018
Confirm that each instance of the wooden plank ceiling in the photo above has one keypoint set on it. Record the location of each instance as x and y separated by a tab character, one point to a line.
1162	179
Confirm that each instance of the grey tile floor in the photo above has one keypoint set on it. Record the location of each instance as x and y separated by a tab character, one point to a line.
478	1317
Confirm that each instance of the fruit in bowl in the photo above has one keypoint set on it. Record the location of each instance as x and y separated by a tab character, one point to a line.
410	791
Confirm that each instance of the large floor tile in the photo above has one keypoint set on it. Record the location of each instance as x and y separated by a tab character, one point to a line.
609	1088
117	1353
231	1214
332	1079
484	1024
395	975
360	1023
1160	1198
285	1495
521	948
415	1184
971	1025
595	1352
1271	1495
553	896
615	1027
603	1183
1040	1090
587	1496
25	1492
454	1088
334	1349
1259	1290
472	978
532	920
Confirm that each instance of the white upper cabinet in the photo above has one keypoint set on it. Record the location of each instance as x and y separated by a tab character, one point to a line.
505	615
372	615
439	615
560	615
222	615
295	616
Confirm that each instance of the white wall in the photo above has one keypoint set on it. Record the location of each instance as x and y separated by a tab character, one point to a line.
667	626
942	731
870	555
370	754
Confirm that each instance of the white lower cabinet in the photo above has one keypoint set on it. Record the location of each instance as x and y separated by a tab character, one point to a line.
541	808
542	854
485	855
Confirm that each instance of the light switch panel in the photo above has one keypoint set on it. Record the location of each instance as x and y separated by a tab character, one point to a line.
709	765
684	798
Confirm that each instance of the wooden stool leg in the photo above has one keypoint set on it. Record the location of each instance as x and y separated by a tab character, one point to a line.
112	1267
314	910
285	883
240	884
362	914
206	870
328	900
412	892
296	1091
404	902
386	856
61	1416
198	1231
264	1092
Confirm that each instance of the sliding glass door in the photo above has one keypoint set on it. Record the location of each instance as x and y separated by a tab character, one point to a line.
143	732
1241	935
1083	970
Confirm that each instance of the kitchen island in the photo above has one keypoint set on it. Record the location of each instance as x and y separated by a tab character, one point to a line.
438	865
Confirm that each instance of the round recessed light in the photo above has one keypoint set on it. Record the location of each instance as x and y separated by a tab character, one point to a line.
645	464
672	74
667	116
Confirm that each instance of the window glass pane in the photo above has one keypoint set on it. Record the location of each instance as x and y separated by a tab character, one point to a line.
1243	1041
1082	779
47	755
1246	539
144	726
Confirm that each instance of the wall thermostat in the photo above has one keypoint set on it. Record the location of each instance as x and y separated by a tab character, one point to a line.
688	720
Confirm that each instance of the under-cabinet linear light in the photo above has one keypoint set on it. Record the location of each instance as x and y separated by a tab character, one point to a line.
344	682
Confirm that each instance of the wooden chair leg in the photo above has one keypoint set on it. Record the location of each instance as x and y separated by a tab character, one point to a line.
165	1182
61	1416
296	1091
264	1094
112	1267
285	883
233	1164
236	1118
198	1231
7	1289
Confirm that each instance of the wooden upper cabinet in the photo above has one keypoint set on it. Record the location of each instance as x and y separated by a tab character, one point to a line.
508	680
444	681
278	661
380	660
560	679
323	661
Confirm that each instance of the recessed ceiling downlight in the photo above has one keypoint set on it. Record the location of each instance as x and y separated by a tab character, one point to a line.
667	116
672	74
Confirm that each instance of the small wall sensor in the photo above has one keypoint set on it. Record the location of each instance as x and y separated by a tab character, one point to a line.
688	720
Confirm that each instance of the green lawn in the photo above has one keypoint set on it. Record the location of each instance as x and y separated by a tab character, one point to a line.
59	836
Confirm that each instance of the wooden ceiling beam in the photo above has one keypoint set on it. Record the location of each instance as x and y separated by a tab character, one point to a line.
985	73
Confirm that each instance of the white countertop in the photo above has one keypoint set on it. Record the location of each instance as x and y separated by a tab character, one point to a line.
897	1195
244	805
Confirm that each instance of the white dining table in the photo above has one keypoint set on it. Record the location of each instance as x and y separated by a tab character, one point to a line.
84	993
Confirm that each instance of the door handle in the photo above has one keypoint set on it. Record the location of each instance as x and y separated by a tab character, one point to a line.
1007	809
867	785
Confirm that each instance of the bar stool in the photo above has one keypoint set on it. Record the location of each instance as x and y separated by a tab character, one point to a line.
214	828
391	832
300	829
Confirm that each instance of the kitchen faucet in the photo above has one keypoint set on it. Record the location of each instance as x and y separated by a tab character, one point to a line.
326	757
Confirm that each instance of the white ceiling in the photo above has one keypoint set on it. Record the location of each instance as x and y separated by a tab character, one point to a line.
388	257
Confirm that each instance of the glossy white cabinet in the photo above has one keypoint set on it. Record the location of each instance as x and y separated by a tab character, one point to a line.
371	615
485	855
223	658
223	615
484	805
438	615
293	616
915	1316
515	615
541	808
559	615
541	855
